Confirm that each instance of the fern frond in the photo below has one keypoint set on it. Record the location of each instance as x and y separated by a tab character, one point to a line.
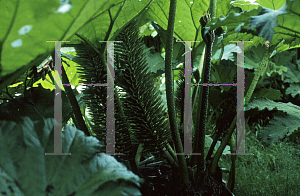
92	70
142	102
179	101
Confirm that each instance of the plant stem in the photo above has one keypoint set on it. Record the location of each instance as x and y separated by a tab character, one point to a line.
170	93
222	146
226	139
212	8
231	179
75	107
201	116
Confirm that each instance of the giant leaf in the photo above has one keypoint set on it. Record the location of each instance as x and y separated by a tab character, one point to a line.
26	170
266	21
27	25
285	122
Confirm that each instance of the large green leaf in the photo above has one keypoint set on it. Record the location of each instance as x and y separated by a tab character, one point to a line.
26	25
245	5
26	170
187	25
121	181
293	73
283	124
276	20
266	21
107	24
270	93
155	60
278	64
294	90
279	19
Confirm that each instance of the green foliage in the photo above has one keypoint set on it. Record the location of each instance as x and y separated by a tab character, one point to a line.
54	23
269	171
154	59
208	143
266	20
293	90
26	170
71	71
283	124
37	105
23	46
92	70
179	100
293	73
142	103
270	93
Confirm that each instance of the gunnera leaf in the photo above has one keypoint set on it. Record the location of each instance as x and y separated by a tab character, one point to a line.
26	170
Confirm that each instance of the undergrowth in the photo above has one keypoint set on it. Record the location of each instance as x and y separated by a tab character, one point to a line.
272	170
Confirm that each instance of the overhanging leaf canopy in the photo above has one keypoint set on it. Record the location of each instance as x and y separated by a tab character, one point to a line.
25	28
